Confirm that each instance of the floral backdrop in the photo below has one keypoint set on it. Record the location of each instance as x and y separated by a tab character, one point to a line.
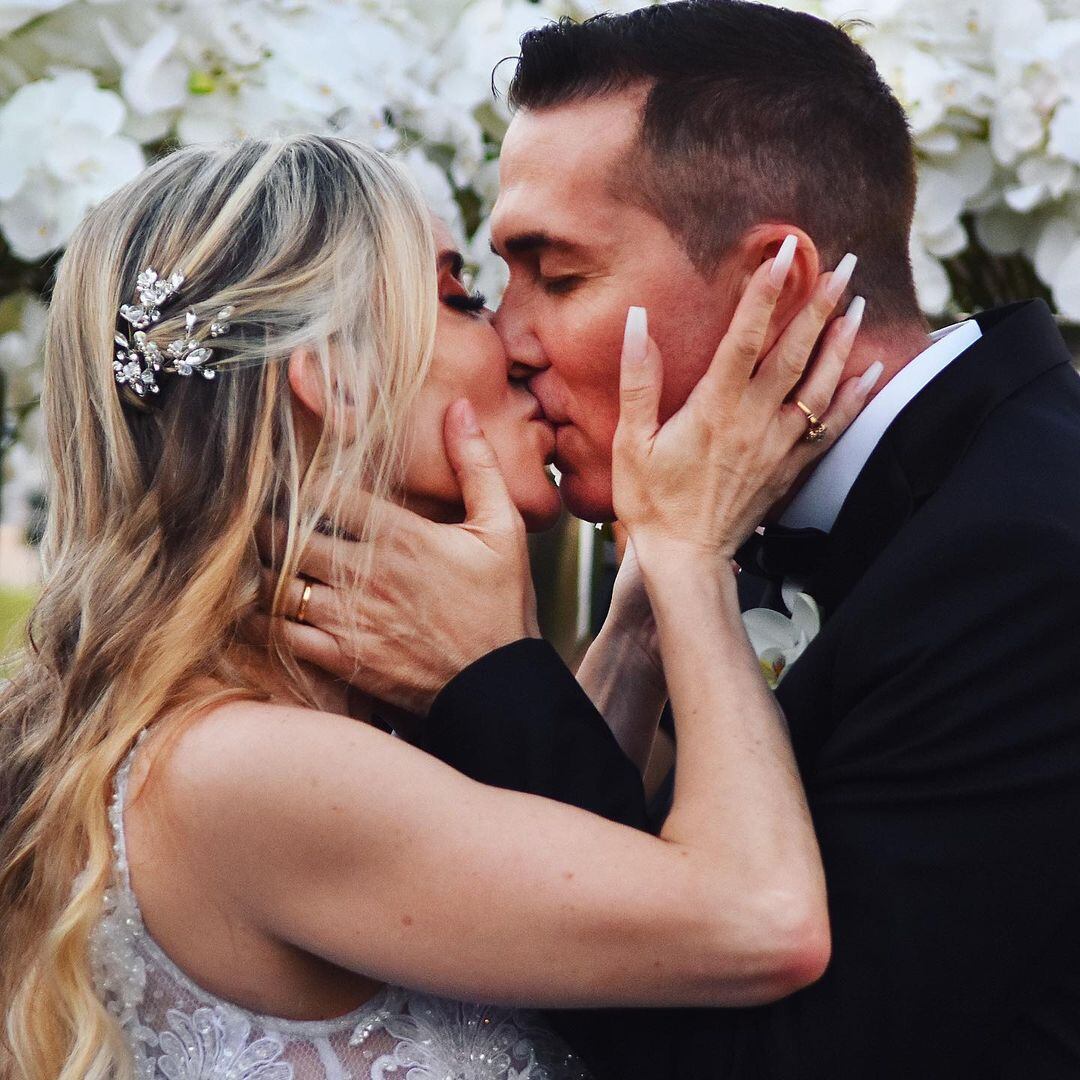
91	91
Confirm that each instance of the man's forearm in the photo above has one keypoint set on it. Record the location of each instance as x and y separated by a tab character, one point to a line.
627	689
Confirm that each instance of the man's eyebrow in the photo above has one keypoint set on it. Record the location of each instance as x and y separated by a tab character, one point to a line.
525	243
452	260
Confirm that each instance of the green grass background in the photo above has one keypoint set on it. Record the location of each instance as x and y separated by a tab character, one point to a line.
15	606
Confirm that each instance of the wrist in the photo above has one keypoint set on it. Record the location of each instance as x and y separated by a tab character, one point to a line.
631	647
666	557
680	589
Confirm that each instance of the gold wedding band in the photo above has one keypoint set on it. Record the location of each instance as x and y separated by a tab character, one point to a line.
305	596
816	429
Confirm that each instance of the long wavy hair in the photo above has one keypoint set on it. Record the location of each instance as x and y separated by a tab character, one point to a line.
149	554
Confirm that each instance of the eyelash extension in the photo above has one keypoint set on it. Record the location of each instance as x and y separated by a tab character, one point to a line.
474	302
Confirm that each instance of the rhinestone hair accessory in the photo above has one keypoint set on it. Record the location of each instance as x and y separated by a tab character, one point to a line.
139	360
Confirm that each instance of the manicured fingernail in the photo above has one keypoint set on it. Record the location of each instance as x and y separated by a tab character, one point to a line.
840	277
467	417
636	338
869	378
778	272
854	315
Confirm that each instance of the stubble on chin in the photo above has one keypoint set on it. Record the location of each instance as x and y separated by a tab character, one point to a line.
588	495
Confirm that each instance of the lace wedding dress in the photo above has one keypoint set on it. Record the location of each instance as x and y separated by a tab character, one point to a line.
176	1030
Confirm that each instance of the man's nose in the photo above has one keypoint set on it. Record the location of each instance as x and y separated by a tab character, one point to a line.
523	349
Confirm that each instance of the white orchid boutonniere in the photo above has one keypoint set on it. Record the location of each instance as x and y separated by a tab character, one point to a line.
780	640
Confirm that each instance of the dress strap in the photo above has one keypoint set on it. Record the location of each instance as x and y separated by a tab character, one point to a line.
116	813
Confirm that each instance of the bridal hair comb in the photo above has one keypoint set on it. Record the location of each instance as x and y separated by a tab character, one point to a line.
139	360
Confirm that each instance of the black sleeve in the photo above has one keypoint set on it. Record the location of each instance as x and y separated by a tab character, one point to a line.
945	795
518	719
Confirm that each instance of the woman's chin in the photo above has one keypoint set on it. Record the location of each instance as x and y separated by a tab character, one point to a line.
539	507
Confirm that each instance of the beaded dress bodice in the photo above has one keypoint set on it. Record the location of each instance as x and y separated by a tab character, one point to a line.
177	1030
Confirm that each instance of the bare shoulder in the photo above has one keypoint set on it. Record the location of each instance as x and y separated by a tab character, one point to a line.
234	746
264	755
247	782
217	837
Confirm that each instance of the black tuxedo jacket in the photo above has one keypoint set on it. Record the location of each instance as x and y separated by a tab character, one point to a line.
936	721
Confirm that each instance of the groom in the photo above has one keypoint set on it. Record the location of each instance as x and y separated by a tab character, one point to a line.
657	158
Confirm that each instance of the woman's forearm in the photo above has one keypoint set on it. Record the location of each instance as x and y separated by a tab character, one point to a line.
737	790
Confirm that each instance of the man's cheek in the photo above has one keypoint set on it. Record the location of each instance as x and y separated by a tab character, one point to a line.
596	322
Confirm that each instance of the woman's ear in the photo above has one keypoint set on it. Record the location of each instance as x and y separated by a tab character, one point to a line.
305	381
310	393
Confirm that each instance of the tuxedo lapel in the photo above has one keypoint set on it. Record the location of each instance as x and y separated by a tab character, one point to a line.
1019	343
759	592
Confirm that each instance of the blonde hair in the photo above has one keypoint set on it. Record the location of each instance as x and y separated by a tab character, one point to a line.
149	552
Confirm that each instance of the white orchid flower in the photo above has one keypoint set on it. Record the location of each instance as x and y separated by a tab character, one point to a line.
780	640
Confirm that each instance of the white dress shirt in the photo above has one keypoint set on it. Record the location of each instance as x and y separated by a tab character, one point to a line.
817	504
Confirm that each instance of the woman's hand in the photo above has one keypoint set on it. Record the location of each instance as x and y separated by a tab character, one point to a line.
706	478
393	635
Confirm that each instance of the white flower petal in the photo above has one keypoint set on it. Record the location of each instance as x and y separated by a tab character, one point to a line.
39	220
154	81
12	16
789	592
939	201
1065	131
806	617
1056	242
951	241
768	629
96	165
931	281
1025	199
1066	285
1016	126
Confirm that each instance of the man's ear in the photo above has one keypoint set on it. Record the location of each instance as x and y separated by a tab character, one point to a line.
761	243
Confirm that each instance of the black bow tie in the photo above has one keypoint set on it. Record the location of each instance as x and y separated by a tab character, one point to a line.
780	552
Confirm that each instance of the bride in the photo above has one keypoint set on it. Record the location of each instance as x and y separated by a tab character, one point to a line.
215	861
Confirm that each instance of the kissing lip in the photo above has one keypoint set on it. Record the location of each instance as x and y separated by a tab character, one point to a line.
544	411
538	415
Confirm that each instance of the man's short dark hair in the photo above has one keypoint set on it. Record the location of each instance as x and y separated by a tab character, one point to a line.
754	113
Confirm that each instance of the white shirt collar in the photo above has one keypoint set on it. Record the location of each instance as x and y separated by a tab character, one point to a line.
817	504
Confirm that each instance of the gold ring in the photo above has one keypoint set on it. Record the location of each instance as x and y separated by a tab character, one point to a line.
305	596
811	419
818	431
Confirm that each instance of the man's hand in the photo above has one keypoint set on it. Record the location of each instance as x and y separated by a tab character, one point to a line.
437	597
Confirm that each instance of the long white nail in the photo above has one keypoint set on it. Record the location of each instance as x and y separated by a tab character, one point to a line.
869	378
840	277
778	272
636	337
854	314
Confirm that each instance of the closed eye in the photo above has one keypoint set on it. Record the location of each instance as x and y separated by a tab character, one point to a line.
561	285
